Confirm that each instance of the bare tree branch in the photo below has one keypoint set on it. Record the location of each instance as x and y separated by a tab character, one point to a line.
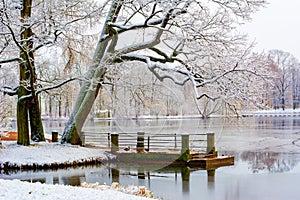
11	60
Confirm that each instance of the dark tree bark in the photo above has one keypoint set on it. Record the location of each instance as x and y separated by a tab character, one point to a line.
28	107
36	125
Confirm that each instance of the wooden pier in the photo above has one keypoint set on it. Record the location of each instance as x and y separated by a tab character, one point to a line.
177	151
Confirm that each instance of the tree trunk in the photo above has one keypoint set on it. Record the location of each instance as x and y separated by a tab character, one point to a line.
59	106
36	125
22	120
79	115
89	89
27	73
50	106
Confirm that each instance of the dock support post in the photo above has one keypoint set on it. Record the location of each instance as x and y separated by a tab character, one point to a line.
210	149
175	140
148	144
108	139
54	136
185	147
140	146
114	147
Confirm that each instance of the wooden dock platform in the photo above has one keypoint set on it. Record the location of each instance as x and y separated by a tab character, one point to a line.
175	159
167	149
211	163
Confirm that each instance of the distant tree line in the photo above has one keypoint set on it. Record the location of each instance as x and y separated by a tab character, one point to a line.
284	86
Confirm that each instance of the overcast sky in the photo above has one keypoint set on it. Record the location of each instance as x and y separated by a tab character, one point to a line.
277	26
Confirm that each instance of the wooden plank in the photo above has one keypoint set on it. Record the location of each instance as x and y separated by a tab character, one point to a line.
212	163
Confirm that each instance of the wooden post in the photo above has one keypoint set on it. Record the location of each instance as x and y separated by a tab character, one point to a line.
210	149
108	139
175	139
148	145
185	143
54	136
140	146
114	147
185	147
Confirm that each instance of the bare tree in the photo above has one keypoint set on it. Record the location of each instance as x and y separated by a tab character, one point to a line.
136	91
28	27
177	35
285	79
295	71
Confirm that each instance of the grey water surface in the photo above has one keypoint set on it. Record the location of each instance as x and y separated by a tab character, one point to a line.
266	150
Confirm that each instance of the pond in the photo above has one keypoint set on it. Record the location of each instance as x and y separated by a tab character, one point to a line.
266	150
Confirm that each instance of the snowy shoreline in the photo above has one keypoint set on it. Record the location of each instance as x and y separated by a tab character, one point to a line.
15	189
55	155
46	155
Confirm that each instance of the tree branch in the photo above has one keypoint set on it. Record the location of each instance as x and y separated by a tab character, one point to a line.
55	86
9	91
38	91
11	60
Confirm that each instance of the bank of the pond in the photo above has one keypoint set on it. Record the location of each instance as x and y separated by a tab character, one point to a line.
15	189
54	155
46	155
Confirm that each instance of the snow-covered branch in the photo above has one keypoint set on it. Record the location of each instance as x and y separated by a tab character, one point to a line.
153	66
9	91
10	60
38	91
55	86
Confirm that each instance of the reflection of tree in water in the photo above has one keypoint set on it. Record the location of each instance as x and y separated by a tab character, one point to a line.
274	123
269	161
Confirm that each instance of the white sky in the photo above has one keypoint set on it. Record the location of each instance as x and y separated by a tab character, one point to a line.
277	26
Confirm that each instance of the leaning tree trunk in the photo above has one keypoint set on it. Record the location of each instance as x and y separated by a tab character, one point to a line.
89	89
85	99
73	129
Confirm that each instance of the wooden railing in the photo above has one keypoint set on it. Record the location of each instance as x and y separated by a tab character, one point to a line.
141	141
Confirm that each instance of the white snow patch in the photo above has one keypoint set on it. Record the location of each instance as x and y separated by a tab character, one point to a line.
49	153
16	189
45	153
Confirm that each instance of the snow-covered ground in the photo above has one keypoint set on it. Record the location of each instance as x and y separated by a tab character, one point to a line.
41	154
44	153
11	190
272	113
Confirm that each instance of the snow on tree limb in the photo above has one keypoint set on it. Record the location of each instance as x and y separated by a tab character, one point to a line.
14	91
132	52
9	91
167	68
10	60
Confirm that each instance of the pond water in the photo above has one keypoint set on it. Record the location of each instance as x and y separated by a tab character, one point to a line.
266	150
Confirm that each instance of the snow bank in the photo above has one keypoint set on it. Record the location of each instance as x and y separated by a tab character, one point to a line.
46	155
53	154
16	189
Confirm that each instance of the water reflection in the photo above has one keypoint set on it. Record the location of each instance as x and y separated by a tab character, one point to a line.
185	179
278	123
179	182
255	175
115	173
269	161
